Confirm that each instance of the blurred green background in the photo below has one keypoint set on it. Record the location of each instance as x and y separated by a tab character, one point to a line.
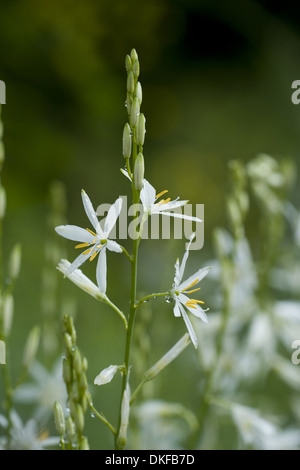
216	78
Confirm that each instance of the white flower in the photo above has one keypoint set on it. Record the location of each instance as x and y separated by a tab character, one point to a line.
106	375
95	241
180	290
152	204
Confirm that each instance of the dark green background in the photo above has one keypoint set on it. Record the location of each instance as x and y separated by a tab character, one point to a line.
216	79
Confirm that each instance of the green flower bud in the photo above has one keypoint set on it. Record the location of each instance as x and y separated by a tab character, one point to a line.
139	170
8	311
84	364
130	82
83	444
127	140
136	69
140	130
15	262
70	428
134	112
133	55
138	92
59	418
77	362
68	343
67	371
2	352
79	417
128	63
69	327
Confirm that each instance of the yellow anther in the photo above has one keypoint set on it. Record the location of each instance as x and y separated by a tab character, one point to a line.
87	251
194	290
99	247
188	304
93	233
82	245
191	285
94	255
160	194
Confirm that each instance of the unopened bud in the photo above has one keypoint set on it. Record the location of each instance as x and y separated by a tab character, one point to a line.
128	63
70	428
68	343
59	418
134	112
130	82
69	327
67	371
77	362
127	140
141	130
79	417
138	92
83	444
125	409
133	55
139	170
136	69
15	262
8	311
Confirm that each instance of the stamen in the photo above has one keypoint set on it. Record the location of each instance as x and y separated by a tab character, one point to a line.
160	194
87	251
93	233
94	255
82	245
191	285
164	201
99	247
193	303
194	290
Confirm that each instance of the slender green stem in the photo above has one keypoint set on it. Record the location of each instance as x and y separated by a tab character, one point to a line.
126	253
151	296
102	418
116	309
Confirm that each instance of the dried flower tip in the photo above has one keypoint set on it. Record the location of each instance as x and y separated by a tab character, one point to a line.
59	418
106	375
127	141
139	170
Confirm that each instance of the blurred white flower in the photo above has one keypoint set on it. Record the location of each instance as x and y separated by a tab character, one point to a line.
26	436
180	290
96	242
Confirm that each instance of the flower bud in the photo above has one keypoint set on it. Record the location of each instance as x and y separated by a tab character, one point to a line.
83	444
8	311
134	112
70	428
133	55
136	69
130	82
127	140
79	417
68	343
67	371
138	92
106	375
15	262
140	130
128	63
139	170
59	418
2	352
125	410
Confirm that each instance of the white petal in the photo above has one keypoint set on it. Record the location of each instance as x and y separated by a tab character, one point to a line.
113	246
189	327
179	216
176	277
185	257
195	310
125	173
89	210
113	214
106	375
101	270
168	206
199	275
72	232
77	262
176	309
147	194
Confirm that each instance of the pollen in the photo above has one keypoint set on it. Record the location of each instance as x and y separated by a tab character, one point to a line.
164	201
82	245
191	285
